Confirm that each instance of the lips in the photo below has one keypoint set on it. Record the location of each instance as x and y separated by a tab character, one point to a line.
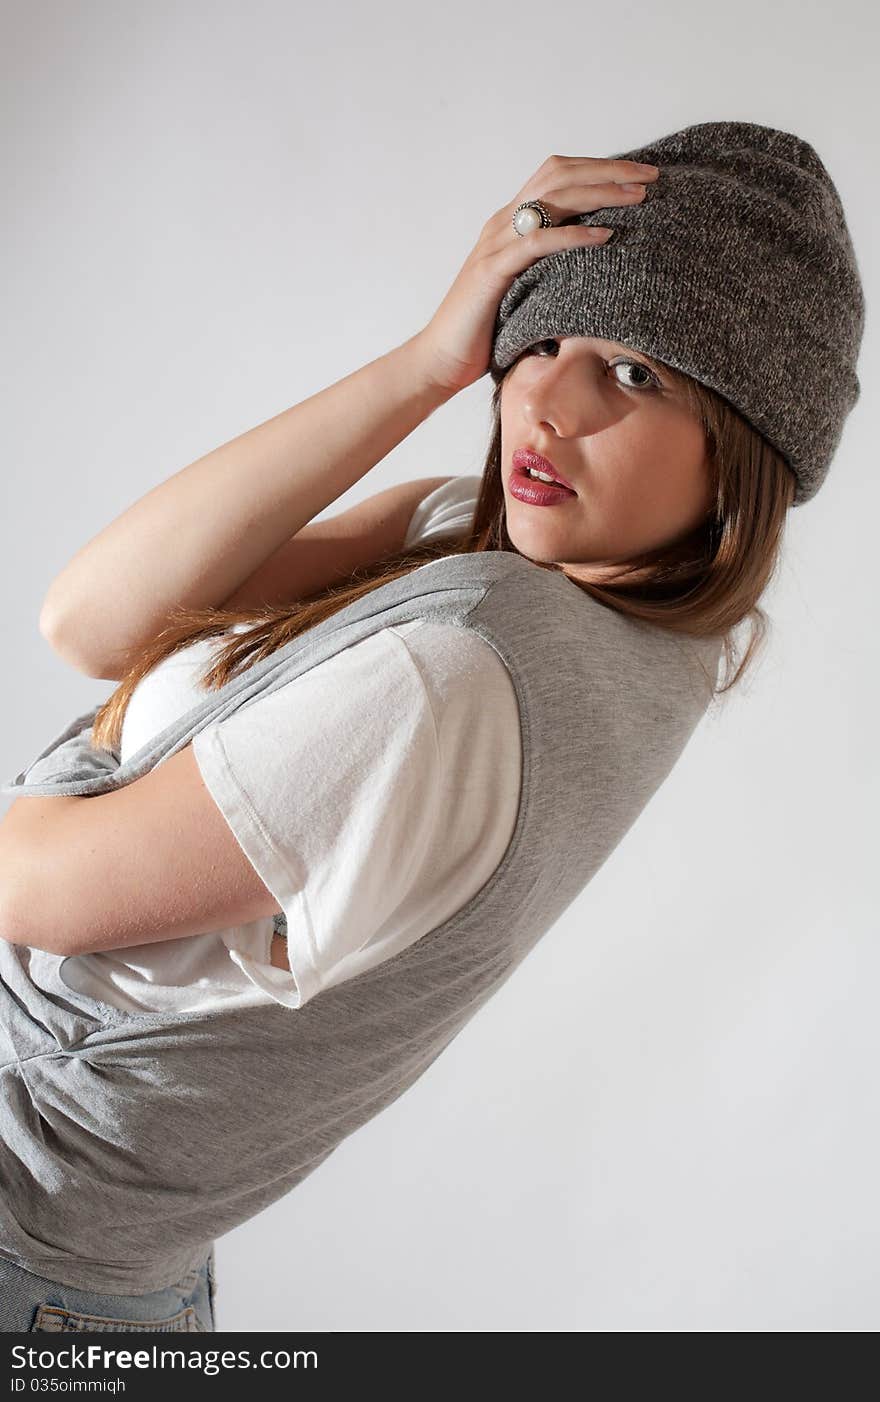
524	458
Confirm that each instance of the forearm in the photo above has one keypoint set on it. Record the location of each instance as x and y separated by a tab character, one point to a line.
26	829
194	539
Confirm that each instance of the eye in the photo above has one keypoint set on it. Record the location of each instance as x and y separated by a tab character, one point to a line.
649	382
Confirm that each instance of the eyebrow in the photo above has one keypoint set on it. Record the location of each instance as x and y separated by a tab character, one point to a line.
649	359
656	365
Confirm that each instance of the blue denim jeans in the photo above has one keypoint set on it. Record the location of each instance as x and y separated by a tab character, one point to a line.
30	1303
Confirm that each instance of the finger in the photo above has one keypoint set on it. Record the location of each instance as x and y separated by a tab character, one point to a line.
562	203
523	251
577	198
574	196
593	170
596	168
569	200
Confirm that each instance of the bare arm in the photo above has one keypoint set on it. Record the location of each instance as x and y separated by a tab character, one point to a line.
327	552
322	554
197	538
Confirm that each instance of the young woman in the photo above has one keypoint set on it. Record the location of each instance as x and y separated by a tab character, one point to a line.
313	851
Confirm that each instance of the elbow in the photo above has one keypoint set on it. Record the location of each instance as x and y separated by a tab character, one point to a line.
12	924
33	909
50	623
17	925
53	631
17	905
60	640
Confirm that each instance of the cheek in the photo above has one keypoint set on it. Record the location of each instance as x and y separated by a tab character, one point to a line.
694	477
679	472
654	487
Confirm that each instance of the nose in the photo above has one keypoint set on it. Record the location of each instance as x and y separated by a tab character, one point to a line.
563	399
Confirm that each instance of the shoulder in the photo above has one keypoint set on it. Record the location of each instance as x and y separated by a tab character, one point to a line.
479	746
469	687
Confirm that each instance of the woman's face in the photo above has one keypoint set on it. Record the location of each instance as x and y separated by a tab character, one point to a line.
620	436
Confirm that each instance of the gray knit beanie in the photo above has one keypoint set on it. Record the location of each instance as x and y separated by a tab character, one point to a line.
737	268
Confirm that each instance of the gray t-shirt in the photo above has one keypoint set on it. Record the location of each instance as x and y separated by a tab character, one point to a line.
427	705
130	1141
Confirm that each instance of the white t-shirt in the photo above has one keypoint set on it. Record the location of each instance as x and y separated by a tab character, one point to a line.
374	795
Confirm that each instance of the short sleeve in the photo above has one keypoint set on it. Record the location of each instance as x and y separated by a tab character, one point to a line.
447	512
328	784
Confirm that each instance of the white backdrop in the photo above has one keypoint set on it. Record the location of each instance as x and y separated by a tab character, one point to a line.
666	1120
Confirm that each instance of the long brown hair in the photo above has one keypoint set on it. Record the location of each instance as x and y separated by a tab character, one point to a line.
705	586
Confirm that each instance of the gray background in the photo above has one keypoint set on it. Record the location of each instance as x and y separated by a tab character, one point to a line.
667	1119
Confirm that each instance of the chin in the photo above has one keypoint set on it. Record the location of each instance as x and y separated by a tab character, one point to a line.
532	551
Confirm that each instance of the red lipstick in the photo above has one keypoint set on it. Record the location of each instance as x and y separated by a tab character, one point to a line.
531	489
